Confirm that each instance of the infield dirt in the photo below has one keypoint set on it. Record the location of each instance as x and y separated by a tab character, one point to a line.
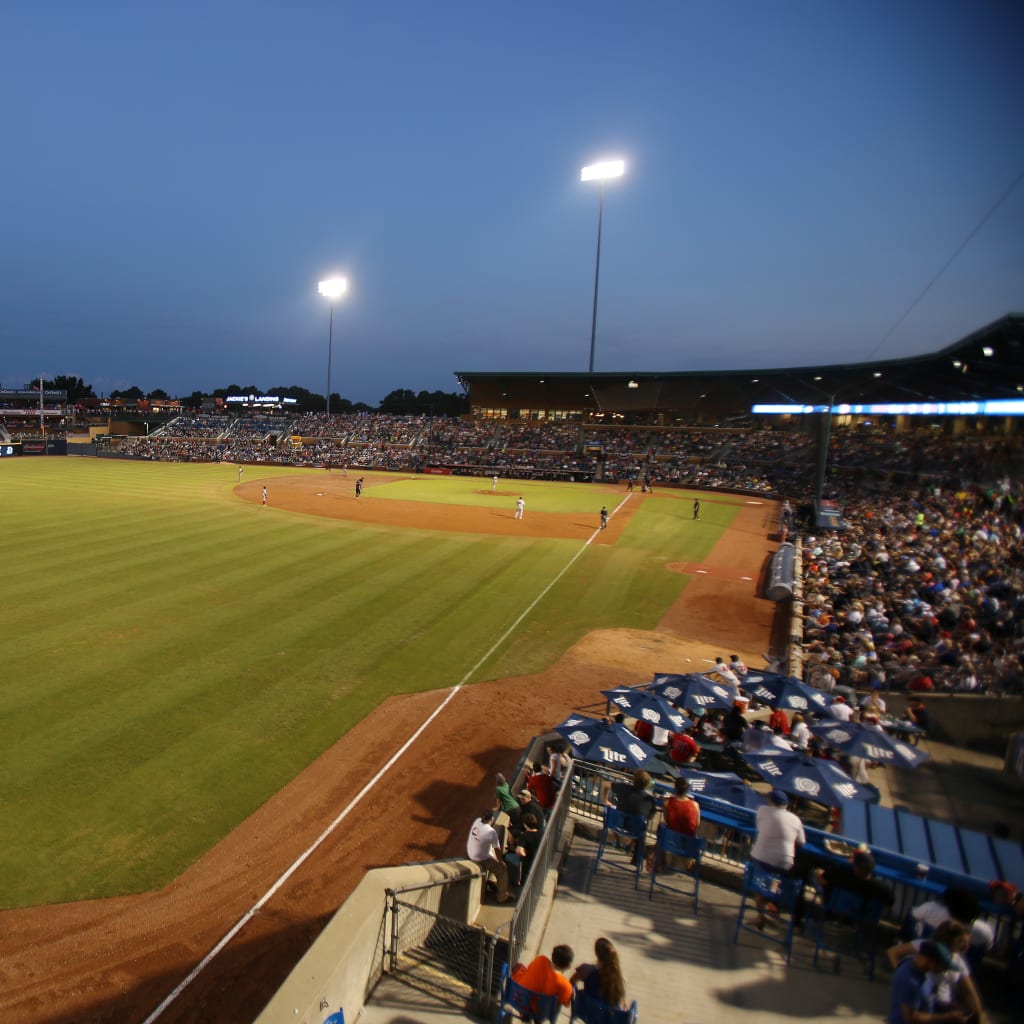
116	960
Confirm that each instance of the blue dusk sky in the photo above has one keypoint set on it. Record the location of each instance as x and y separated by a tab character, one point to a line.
177	177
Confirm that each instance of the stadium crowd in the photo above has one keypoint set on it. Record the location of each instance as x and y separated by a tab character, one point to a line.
923	590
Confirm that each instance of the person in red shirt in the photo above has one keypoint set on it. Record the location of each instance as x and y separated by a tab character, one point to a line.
542	786
922	683
546	976
683	749
778	720
643	730
682	812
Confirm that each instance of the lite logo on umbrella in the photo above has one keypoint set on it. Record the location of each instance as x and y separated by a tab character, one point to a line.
613	756
807	786
870	742
876	753
795	701
779	691
649	707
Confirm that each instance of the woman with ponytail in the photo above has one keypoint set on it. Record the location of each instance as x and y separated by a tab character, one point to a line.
603	980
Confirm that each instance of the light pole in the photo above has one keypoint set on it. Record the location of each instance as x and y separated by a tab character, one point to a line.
600	172
332	288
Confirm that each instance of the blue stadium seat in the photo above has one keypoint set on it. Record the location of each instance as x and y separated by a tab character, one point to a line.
627	826
686	848
592	1010
777	889
518	1003
847	914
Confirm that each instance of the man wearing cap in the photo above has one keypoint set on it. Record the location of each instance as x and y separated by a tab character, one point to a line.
483	848
911	999
840	710
527	805
780	833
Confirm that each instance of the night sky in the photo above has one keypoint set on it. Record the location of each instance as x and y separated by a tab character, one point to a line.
177	177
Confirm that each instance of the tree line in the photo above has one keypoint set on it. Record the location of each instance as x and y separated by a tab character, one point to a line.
400	402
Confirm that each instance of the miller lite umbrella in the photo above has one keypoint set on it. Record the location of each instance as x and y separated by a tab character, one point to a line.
611	744
811	778
691	691
727	786
779	691
858	740
642	704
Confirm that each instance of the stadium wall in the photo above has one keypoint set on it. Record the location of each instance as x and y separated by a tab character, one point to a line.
347	960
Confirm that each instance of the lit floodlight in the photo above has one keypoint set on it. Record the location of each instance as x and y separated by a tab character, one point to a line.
333	287
988	351
603	170
599	172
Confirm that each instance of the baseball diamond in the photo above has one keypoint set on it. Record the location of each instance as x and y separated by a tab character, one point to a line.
114	958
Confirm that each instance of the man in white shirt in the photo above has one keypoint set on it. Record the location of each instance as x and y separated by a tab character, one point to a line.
727	674
779	833
483	847
840	710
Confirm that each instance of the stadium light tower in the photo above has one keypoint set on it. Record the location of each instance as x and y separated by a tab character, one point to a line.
332	288
600	172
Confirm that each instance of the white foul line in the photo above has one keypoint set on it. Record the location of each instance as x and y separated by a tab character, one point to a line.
303	857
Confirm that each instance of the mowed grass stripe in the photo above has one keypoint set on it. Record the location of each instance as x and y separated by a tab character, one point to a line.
539	495
187	689
177	655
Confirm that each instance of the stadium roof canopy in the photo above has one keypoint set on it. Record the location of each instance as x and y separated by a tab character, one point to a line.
988	364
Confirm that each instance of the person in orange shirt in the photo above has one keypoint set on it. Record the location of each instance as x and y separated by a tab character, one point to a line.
682	812
546	976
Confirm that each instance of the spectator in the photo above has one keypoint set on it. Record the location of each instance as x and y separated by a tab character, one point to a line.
520	858
484	849
526	805
603	980
911	999
953	988
542	786
682	812
780	833
546	976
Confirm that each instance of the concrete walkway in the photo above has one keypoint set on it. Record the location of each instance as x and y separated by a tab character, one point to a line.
685	969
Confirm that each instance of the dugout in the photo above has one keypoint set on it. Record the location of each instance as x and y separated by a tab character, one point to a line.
782	574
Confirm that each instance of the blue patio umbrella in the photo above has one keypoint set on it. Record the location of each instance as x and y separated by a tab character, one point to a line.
779	691
857	740
727	786
609	743
691	691
811	778
642	704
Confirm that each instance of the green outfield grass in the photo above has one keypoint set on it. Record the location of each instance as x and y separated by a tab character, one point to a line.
172	656
540	496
